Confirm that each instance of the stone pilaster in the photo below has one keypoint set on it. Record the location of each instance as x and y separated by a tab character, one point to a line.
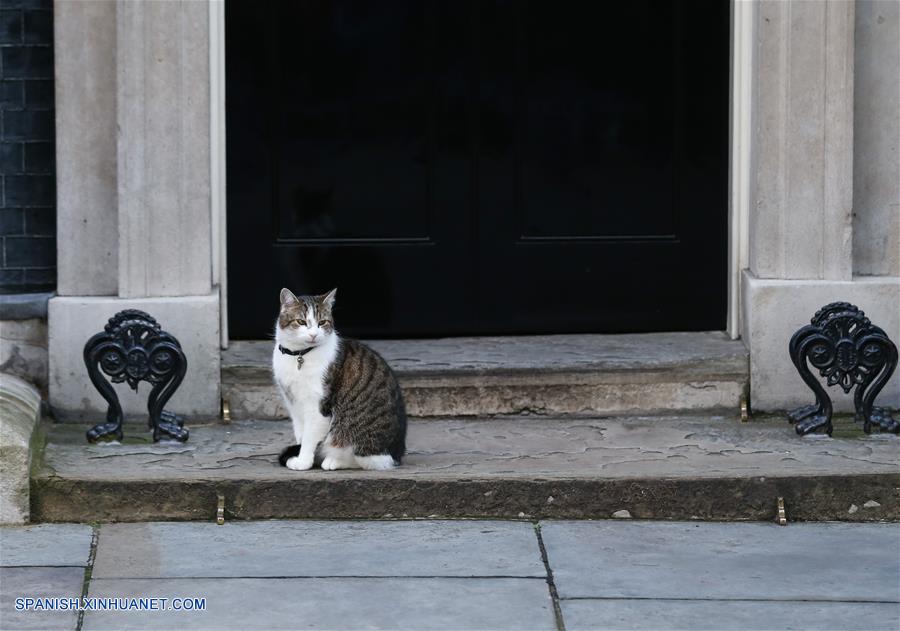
801	241
134	113
800	227
876	132
87	209
163	146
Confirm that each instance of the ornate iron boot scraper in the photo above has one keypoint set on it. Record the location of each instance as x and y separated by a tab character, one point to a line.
848	351
134	348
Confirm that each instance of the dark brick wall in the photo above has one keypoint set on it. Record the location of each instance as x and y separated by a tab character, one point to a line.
27	173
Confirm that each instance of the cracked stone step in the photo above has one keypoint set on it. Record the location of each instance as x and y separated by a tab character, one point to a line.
662	467
547	375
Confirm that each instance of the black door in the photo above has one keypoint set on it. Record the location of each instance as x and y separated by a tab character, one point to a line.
479	167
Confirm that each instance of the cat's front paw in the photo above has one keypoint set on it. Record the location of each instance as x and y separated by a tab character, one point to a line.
299	464
330	464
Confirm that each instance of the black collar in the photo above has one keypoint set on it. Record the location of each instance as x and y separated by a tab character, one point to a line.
287	351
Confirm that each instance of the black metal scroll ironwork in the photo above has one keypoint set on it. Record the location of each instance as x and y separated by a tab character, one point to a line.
849	351
134	348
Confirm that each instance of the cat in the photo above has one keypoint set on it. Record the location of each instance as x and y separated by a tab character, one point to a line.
344	402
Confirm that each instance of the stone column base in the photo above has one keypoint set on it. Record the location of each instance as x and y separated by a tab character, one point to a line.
194	320
20	413
774	309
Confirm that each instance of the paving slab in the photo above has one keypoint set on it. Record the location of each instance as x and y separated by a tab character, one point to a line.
45	544
817	562
319	548
728	615
38	582
570	374
671	467
332	603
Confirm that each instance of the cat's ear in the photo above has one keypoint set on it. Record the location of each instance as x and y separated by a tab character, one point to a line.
287	296
328	299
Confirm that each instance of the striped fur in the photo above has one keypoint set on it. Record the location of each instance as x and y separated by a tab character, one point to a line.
343	399
365	403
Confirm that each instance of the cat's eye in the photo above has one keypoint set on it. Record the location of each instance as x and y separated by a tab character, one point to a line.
297	323
323	322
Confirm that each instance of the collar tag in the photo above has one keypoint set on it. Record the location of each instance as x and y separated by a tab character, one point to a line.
298	354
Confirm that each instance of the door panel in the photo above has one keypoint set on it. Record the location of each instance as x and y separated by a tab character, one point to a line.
607	209
364	164
479	167
356	150
592	134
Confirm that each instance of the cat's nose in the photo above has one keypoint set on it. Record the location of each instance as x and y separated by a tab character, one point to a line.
312	337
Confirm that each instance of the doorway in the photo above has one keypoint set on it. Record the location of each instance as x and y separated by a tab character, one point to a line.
479	168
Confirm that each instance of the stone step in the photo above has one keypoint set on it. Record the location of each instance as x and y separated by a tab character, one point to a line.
663	467
548	375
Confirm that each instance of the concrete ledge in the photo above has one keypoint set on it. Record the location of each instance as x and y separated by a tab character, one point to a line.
696	467
814	498
574	394
20	411
194	320
24	306
553	374
775	309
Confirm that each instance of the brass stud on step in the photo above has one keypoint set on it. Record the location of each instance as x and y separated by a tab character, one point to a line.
745	410
226	411
782	518
220	510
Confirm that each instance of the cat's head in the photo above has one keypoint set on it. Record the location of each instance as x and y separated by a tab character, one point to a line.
305	321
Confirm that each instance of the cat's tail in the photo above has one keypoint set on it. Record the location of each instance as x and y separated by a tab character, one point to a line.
291	451
398	447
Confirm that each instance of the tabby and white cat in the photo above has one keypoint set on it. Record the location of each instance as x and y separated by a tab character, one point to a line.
344	401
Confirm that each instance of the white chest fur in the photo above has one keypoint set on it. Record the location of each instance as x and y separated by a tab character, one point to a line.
304	388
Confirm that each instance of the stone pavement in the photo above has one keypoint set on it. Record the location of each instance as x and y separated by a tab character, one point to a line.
43	561
707	467
461	575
